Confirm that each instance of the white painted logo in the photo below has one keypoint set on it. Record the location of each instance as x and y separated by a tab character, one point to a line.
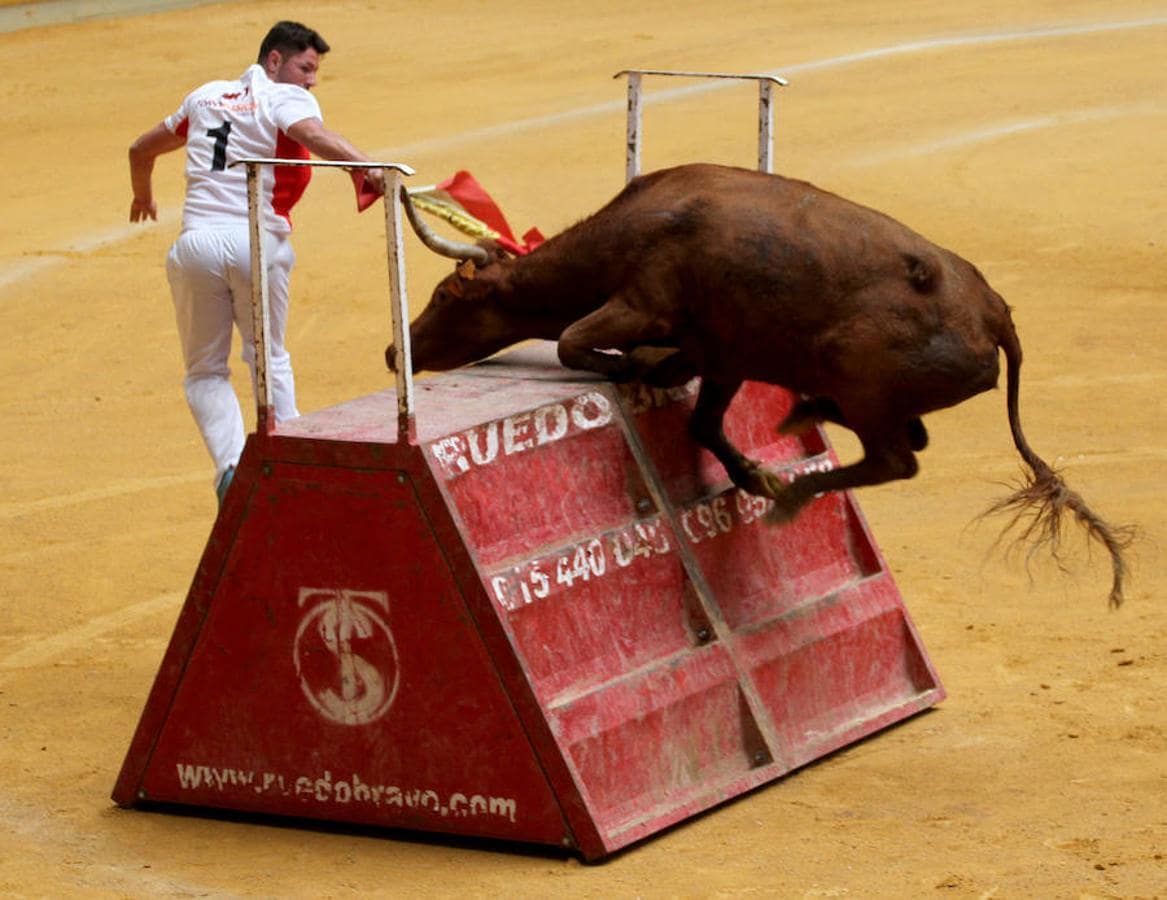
345	655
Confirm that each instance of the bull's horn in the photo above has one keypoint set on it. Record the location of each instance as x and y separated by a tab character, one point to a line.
440	245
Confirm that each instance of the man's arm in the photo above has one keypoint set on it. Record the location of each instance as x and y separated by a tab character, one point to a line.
326	144
148	147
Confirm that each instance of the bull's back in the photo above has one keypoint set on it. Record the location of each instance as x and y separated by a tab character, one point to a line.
748	226
783	279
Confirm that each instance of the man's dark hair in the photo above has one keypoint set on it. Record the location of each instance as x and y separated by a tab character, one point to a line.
290	38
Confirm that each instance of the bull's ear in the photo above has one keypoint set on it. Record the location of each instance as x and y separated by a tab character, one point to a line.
466	269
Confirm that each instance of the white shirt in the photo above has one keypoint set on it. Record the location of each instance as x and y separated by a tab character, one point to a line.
228	120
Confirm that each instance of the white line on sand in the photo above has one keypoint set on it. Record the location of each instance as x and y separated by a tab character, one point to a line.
44	648
18	271
14	510
1006	129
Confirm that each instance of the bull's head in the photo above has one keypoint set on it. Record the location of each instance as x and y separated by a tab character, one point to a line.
463	322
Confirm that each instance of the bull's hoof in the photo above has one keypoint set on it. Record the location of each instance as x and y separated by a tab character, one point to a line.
787	499
756	480
785	508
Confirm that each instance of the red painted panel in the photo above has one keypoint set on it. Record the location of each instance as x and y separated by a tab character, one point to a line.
646	744
540	476
758	570
337	675
836	665
593	611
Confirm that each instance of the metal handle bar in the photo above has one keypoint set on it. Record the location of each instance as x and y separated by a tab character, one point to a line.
398	307
765	113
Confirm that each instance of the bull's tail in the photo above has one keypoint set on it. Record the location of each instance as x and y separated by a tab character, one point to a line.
1037	505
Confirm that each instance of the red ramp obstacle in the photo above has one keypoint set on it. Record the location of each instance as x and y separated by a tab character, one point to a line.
551	619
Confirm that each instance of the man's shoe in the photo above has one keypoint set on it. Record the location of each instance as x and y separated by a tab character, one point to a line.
224	483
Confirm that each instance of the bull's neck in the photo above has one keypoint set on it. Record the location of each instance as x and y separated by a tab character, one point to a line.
558	280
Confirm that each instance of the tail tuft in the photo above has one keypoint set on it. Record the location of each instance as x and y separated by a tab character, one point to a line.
1036	507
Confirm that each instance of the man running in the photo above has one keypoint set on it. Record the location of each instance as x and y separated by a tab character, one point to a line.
267	112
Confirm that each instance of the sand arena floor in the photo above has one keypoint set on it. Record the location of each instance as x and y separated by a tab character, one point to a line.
1029	137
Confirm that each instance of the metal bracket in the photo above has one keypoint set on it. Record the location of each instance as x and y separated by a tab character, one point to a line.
765	113
399	304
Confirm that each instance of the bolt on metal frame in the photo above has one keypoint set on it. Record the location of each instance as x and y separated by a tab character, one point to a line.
398	307
765	113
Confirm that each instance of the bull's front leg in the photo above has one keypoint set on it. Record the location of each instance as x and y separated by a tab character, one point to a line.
664	367
707	428
603	341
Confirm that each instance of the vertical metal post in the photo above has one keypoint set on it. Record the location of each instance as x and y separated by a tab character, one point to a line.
399	309
260	307
766	125
632	152
260	315
765	113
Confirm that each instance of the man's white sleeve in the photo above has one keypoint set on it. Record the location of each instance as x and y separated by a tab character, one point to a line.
294	104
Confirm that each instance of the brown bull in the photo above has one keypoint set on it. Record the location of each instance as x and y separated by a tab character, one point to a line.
736	275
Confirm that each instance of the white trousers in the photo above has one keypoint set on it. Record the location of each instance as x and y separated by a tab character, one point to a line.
210	282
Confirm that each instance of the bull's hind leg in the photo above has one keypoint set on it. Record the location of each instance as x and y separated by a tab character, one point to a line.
886	457
917	434
809	411
602	340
